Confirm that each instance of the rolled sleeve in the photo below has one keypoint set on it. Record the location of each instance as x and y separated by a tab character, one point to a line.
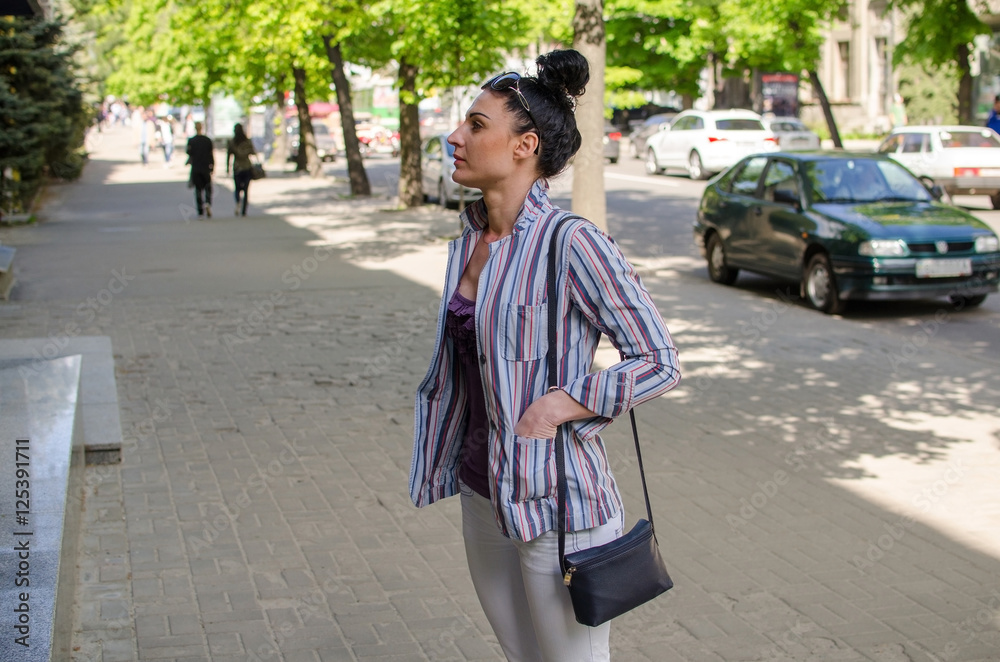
607	290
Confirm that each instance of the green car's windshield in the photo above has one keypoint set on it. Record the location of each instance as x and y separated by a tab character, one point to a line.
853	180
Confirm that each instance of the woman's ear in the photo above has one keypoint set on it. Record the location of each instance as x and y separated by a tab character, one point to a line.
527	145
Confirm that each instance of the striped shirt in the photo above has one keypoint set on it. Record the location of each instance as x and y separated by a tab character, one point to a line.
599	292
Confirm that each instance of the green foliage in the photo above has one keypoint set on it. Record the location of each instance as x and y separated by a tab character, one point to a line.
672	41
929	96
42	115
935	29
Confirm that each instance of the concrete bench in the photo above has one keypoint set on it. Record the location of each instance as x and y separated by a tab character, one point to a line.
6	271
102	432
41	494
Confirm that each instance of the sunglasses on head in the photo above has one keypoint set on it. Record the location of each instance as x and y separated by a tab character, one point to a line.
511	81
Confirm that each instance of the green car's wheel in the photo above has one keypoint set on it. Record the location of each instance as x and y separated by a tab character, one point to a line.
821	287
718	270
959	301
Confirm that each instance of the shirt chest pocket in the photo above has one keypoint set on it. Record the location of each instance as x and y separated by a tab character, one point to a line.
524	332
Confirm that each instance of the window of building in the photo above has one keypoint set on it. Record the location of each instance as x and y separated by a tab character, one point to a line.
844	70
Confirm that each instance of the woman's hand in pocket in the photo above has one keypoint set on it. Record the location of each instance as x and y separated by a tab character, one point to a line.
547	413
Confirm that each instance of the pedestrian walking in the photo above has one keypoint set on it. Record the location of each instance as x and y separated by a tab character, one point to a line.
189	126
993	121
201	158
484	421
165	131
147	132
240	148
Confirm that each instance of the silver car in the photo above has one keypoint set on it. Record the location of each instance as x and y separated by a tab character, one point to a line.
437	166
792	135
652	124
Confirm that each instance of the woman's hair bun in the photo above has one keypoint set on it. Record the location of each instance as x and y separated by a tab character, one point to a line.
565	73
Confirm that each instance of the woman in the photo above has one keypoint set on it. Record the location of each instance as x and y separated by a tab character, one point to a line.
240	148
484	421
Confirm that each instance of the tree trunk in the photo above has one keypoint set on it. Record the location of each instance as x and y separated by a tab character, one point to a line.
831	123
355	166
307	158
964	85
588	167
410	187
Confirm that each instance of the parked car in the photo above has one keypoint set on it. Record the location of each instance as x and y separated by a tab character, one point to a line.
437	165
965	160
845	226
612	143
326	144
704	142
791	134
652	124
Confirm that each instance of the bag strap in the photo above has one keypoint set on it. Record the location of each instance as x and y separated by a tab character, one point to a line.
553	379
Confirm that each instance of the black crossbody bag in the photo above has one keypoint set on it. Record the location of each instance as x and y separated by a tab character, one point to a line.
608	580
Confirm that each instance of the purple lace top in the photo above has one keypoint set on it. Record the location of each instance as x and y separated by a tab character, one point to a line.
460	325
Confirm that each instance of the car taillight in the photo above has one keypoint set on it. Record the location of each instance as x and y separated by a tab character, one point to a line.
772	139
966	172
716	139
615	135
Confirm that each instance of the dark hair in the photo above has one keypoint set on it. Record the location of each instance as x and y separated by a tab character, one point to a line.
239	135
551	94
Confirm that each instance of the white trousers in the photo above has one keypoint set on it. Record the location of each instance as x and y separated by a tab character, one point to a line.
521	588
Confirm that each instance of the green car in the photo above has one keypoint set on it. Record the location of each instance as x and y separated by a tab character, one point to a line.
845	226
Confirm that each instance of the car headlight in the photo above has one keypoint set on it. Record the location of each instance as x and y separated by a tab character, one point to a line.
987	243
884	248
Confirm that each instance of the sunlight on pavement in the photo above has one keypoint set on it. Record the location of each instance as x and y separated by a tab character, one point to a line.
956	491
424	265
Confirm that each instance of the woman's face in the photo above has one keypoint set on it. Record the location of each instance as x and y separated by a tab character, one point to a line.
485	142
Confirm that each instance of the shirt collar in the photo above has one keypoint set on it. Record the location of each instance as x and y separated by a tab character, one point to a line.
536	204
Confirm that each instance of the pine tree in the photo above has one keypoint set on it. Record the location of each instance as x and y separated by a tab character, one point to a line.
42	116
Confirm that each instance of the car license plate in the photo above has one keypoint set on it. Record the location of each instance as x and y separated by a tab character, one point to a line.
936	268
989	172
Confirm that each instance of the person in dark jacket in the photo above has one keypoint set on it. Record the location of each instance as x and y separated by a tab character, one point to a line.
240	148
993	121
202	161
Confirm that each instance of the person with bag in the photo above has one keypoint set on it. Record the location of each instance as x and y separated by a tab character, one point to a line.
488	426
240	149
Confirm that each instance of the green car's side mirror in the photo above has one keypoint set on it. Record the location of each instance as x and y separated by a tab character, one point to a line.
787	197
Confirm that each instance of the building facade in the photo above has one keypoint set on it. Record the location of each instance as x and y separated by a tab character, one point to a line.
856	69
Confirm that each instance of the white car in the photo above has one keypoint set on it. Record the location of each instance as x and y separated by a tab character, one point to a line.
791	134
704	142
963	160
437	165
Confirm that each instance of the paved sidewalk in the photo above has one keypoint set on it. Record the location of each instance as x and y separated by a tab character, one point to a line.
816	499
